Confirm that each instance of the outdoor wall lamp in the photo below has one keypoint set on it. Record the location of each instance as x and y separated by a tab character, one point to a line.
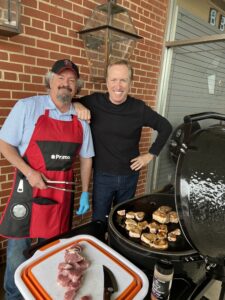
108	35
9	17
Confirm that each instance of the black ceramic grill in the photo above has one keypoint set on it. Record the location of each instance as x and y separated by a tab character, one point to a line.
199	200
200	186
200	192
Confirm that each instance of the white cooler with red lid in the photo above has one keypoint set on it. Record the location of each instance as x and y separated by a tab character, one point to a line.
36	278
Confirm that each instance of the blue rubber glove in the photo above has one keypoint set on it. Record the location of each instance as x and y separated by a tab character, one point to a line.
84	203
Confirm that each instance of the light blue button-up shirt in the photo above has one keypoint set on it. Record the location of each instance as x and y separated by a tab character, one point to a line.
19	125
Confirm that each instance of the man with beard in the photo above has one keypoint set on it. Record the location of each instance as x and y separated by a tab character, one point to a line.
41	137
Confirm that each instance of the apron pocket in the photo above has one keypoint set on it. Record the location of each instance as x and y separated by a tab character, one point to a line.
45	220
45	201
16	220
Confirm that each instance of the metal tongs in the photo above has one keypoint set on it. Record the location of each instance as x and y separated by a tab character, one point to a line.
46	180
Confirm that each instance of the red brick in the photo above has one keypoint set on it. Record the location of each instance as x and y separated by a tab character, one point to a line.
6	186
31	3
69	15
7	85
10	47
34	87
70	50
25	21
22	95
78	2
61	30
34	70
47	45
10	176
25	59
50	27
77	26
36	32
63	4
47	63
4	113
3	56
61	39
34	13
78	43
60	21
24	77
6	167
5	200
90	5
53	10
37	23
7	103
2	178
4	193
4	95
37	79
80	10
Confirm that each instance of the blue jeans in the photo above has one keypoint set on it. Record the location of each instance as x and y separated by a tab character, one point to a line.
111	189
14	257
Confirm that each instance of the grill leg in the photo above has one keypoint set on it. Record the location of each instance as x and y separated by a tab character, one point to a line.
198	291
222	292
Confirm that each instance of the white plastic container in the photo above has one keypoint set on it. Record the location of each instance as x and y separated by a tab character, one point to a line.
37	277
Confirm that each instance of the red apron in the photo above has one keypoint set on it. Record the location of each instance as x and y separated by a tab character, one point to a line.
35	213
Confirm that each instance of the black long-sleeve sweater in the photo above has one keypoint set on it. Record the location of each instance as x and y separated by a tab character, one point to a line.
116	131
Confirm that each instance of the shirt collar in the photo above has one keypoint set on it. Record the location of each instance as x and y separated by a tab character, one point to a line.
51	106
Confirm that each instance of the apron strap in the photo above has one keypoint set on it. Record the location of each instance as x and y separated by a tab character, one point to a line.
47	112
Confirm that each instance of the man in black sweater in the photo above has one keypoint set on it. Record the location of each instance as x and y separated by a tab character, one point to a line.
116	122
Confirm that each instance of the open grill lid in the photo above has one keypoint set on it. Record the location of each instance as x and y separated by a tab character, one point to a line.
200	186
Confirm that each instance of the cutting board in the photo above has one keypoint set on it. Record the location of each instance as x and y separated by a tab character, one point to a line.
37	277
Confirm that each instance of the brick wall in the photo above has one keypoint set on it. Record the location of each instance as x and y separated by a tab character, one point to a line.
48	33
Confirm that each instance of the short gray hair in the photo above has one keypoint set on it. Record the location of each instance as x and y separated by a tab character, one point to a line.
49	76
122	62
47	79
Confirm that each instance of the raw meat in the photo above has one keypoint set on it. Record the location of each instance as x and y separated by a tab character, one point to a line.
71	272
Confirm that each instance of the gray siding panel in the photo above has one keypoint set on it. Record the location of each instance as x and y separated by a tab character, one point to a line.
188	91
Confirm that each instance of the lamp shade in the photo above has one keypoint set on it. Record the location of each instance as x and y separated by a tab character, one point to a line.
108	35
9	17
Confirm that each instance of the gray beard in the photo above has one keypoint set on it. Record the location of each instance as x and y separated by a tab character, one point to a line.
65	99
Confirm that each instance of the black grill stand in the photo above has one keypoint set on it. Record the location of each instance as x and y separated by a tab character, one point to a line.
214	271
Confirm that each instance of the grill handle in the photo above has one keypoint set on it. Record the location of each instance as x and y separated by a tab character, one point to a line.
203	116
188	121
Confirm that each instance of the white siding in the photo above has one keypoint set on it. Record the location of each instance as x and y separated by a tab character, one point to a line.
188	91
